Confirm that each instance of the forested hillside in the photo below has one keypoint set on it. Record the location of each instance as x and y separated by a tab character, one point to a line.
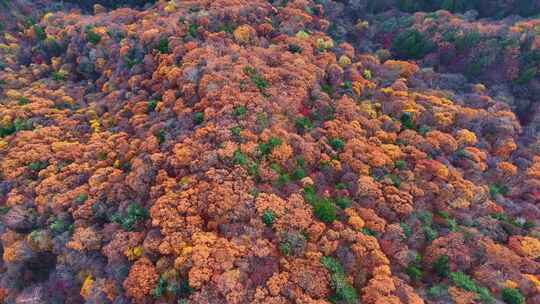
250	151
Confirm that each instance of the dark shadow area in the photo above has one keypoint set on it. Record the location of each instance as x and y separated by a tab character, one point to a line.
38	268
485	8
110	4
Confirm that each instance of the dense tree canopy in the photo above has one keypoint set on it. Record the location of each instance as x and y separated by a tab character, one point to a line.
241	151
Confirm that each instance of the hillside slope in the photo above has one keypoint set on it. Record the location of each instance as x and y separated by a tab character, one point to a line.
230	151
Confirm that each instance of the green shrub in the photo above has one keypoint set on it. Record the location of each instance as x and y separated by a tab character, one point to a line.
239	111
13	127
285	248
464	282
160	288
52	47
414	272
407	121
23	101
512	296
192	30
337	144
59	76
526	75
292	243
395	180
173	286
134	215
325	114
437	291
283	177
239	158
59	226
198	118
310	194
262	120
473	69
302	124
92	37
343	202
253	169
423	130
183	290
40	32
294	48
425	217
430	234
450	222
324	210
331	264
298	173
521	223
407	230
347	86
441	266
327	89
467	41
227	28
163	45
369	232
81	198
266	148
527	224
160	135
268	217
256	78
411	44
37	166
341	186
235	131
151	106
400	164
485	296
367	74
130	62
496	190
344	291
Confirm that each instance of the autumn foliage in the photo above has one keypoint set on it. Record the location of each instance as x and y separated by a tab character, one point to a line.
231	151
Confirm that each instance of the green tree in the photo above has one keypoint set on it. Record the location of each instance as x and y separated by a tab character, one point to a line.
441	266
512	296
411	44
